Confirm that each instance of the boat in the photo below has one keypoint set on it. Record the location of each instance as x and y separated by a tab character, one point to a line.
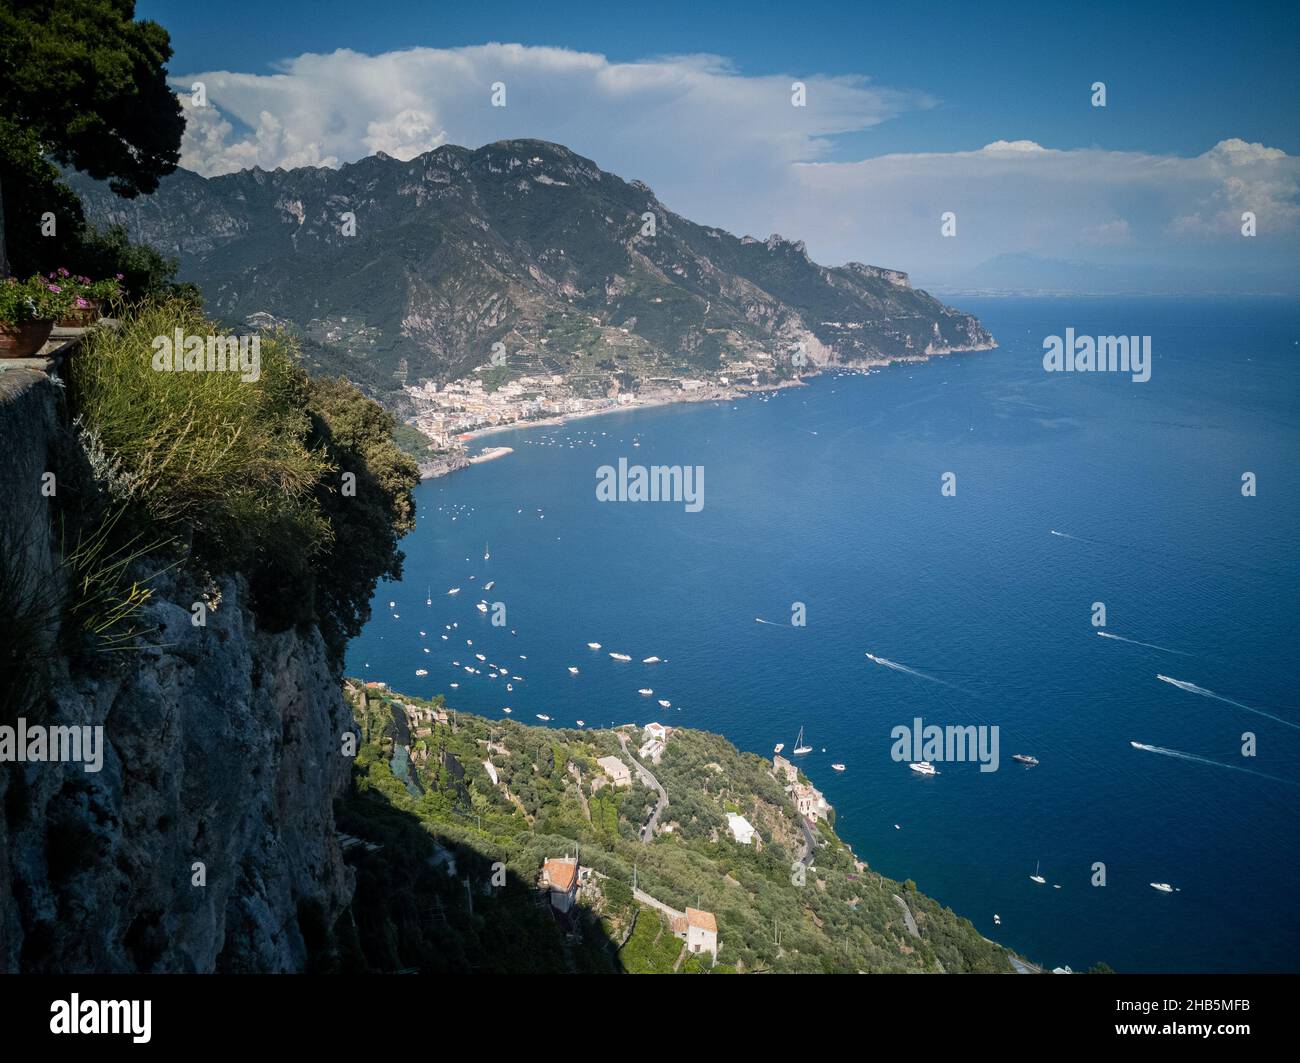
1163	887
392	605
665	704
481	607
837	767
489	584
454	590
645	692
620	656
486	555
428	595
799	748
1036	877
923	767
581	724
593	645
1025	758
507	709
779	746
422	671
649	660
997	919
572	670
480	657
542	716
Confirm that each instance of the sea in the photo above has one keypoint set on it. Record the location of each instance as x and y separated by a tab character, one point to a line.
1016	548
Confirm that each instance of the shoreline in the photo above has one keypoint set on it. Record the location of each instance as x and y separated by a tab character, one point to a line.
727	393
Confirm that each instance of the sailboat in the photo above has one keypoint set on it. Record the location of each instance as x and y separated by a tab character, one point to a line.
799	747
486	555
1036	877
428	595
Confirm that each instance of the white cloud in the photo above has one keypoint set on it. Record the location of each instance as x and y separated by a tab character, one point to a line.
728	149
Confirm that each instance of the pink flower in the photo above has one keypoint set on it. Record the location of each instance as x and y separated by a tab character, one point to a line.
55	288
82	304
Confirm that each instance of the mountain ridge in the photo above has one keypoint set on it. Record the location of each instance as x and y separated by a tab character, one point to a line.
525	243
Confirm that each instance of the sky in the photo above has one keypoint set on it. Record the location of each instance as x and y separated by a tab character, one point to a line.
911	112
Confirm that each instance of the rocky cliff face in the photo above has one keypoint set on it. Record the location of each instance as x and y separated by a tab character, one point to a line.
222	747
396	272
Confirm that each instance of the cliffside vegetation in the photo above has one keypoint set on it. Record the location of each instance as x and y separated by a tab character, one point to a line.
422	793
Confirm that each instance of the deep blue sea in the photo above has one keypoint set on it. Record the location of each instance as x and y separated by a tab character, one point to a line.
830	495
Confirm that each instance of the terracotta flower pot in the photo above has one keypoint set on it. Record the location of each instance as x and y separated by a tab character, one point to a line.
25	339
80	318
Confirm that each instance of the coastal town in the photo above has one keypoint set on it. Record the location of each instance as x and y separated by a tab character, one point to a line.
457	413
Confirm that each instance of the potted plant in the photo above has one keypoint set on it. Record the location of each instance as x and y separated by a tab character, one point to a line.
88	297
28	310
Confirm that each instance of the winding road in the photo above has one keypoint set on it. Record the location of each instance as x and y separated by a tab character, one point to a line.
643	773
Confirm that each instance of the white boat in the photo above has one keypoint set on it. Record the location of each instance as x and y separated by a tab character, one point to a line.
480	657
422	671
1026	759
454	590
923	767
428	595
581	724
486	555
507	709
454	686
572	670
392	605
593	645
799	748
510	686
1036	877
620	656
481	607
837	767
665	704
649	660
779	746
542	716
645	692
997	919
489	584
1163	887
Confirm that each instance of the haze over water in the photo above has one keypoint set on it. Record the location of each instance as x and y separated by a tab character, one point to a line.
830	495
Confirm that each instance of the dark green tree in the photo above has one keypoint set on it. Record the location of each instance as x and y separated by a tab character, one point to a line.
82	84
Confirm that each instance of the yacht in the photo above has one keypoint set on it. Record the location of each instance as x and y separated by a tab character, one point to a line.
1025	758
486	555
779	746
428	595
665	704
507	709
1036	877
799	748
454	590
489	584
923	767
481	607
422	671
997	919
620	656
837	767
593	645
572	670
645	692
650	660
543	716
581	724
1163	887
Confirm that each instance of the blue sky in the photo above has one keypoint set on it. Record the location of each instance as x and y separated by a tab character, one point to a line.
1180	76
912	110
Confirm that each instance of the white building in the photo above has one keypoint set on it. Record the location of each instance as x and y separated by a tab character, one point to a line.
655	730
651	751
741	829
701	932
618	772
